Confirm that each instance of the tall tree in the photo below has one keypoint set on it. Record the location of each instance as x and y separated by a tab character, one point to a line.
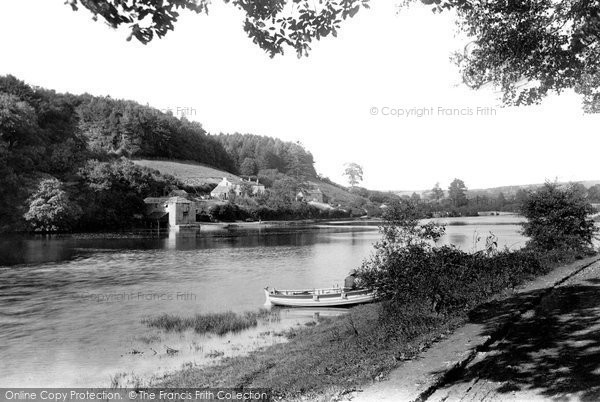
458	193
437	193
354	172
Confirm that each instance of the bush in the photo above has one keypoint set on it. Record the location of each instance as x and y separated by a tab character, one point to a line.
228	212
408	270
558	218
446	278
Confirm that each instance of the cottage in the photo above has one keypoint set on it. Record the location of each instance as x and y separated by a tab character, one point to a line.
257	188
223	189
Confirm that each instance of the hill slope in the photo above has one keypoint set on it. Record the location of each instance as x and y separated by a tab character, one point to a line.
189	172
195	174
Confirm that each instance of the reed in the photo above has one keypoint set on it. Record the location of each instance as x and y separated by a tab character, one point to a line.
216	323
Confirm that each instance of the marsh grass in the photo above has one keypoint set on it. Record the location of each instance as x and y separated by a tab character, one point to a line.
216	323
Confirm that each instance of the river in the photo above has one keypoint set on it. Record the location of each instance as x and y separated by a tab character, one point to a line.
71	306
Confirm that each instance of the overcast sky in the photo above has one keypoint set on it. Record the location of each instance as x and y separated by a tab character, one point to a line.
338	102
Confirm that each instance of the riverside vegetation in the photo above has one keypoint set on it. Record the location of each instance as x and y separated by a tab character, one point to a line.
425	292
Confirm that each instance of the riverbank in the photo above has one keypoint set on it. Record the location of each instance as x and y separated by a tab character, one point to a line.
204	227
335	356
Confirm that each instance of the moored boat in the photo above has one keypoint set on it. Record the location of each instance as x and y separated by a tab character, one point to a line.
327	297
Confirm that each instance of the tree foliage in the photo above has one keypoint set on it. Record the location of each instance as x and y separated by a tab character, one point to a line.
437	193
112	193
558	217
50	208
354	173
457	192
268	153
274	25
530	48
126	128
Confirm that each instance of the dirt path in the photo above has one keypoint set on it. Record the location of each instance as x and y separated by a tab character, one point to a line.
552	352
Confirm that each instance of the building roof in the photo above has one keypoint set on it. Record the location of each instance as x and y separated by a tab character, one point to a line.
221	189
178	193
178	200
155	200
169	200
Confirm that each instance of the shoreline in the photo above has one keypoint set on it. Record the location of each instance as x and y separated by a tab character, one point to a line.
214	226
336	356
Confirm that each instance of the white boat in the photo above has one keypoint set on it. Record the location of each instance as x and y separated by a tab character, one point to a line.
328	297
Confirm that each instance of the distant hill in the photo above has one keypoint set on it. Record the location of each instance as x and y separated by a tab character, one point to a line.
494	191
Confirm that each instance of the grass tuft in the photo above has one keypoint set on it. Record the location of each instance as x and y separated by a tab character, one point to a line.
216	323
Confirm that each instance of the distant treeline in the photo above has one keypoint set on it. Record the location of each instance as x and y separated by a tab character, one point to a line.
77	144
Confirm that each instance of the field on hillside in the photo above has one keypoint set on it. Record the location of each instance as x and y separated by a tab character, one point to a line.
190	173
334	194
194	174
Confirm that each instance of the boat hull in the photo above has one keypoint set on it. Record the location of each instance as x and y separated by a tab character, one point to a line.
312	299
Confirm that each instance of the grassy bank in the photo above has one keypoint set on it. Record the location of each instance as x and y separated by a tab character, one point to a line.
339	354
322	360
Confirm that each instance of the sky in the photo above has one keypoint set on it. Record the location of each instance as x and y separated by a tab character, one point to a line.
383	94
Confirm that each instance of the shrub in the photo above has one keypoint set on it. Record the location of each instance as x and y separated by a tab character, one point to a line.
408	270
228	212
50	208
558	217
446	278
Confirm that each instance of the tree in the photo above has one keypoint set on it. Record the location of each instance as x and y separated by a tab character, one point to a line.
521	196
500	200
248	167
416	198
283	192
457	193
354	172
50	208
18	122
437	193
558	217
530	48
271	24
594	193
113	192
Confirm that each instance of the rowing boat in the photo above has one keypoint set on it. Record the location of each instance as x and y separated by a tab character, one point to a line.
327	297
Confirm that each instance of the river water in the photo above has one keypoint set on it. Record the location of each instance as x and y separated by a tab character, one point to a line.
71	307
